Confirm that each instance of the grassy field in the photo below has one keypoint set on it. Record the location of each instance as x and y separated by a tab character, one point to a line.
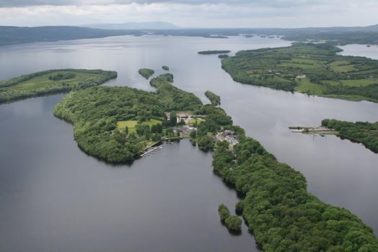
342	66
314	69
353	83
131	124
196	121
306	86
50	82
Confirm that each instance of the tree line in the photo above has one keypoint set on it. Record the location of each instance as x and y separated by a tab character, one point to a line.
360	132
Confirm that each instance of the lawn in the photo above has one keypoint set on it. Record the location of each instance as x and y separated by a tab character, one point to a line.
44	81
306	86
353	83
196	121
342	66
131	124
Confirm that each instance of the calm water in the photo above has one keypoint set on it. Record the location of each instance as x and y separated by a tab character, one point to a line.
54	197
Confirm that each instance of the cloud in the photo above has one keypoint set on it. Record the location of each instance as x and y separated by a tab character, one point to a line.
272	3
193	13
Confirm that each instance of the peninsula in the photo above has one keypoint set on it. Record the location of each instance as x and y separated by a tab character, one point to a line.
314	69
51	82
118	124
359	132
213	98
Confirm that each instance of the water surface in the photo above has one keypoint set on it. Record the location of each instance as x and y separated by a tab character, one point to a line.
54	196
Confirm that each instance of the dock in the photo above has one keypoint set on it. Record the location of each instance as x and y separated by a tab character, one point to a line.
313	130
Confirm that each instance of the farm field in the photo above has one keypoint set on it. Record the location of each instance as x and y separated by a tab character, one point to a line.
314	69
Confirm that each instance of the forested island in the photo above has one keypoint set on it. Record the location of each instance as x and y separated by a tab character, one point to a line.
214	52
116	124
359	132
146	72
51	82
314	69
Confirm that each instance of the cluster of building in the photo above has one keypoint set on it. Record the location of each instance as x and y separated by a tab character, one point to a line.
188	118
228	136
185	117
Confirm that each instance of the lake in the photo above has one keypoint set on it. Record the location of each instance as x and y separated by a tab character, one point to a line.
54	197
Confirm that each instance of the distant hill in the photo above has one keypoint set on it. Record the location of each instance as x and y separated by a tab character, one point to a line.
338	35
18	35
136	26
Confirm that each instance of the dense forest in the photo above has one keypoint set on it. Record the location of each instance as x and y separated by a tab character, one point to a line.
233	223
116	124
359	132
51	82
314	69
213	98
275	203
280	212
146	72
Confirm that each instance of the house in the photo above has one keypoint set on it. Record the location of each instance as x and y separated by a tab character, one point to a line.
301	77
228	136
168	115
183	116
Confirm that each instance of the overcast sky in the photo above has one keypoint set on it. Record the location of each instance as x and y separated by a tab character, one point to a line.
192	13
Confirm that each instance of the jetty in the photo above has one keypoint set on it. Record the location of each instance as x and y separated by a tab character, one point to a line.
313	130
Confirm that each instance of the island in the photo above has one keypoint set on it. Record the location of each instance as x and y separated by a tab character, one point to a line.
51	82
166	68
359	132
118	124
233	223
213	98
146	72
313	69
210	52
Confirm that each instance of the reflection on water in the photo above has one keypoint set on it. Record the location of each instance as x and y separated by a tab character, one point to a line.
54	196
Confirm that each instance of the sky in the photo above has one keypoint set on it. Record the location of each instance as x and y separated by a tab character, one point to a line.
192	13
